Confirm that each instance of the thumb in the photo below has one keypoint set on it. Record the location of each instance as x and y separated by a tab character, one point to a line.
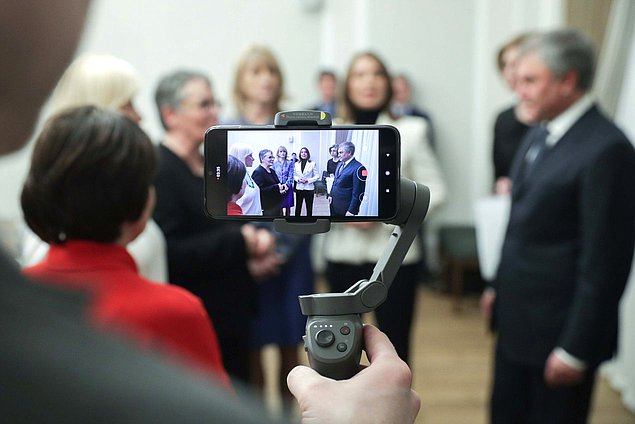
301	379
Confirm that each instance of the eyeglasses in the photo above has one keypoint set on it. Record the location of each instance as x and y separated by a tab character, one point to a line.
206	104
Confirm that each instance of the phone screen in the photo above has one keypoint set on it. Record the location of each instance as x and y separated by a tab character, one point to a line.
343	173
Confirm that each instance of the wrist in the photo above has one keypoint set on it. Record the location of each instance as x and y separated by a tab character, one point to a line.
569	360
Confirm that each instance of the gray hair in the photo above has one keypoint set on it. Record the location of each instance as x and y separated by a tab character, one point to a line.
169	91
563	51
263	152
348	146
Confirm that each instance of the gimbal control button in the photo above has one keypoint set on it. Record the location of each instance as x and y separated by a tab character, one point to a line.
342	347
324	338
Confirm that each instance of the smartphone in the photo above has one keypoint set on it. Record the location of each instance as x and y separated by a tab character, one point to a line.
339	173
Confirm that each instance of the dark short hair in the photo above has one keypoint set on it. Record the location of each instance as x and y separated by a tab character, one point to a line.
326	73
91	171
235	175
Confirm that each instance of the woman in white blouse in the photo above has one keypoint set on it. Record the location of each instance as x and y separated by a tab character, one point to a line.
250	201
305	175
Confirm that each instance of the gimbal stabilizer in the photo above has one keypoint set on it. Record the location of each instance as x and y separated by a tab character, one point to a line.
333	339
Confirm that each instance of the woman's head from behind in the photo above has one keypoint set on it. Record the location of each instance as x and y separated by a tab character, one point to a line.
91	173
235	177
99	80
367	86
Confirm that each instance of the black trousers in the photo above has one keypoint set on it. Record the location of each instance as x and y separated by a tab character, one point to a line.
306	196
394	316
520	396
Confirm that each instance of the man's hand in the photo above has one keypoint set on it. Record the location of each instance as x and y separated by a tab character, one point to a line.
264	267
380	393
487	303
259	241
362	225
557	373
503	186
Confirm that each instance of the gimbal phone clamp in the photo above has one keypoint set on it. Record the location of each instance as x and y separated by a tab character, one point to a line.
333	339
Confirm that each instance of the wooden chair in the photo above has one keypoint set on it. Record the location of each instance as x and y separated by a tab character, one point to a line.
457	254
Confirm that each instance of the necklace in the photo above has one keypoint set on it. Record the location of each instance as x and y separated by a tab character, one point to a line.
250	182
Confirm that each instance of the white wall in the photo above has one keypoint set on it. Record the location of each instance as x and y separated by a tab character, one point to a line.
621	371
446	46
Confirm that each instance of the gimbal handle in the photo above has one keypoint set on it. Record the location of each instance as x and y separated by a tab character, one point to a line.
333	339
367	295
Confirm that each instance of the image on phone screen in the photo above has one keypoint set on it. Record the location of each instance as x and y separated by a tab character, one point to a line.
339	173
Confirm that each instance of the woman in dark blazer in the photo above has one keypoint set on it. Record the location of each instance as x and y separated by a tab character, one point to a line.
271	190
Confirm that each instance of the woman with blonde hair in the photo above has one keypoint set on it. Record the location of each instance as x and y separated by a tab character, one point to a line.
99	80
258	86
284	168
110	83
258	91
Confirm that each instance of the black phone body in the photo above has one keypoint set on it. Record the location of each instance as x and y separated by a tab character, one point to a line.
363	187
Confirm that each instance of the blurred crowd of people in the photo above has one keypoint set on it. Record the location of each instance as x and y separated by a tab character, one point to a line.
120	217
202	279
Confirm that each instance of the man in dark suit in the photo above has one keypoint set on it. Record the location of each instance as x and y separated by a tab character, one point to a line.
569	244
349	183
327	85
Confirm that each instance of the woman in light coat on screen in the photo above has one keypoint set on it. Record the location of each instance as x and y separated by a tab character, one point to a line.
305	175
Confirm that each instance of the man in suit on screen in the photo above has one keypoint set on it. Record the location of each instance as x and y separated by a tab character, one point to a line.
349	183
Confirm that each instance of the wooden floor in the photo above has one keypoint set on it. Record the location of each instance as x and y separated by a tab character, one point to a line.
321	206
451	365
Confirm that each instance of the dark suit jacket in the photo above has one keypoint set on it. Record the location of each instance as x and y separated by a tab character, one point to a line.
348	189
569	245
270	197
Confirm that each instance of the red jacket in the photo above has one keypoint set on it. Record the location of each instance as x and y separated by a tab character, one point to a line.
164	318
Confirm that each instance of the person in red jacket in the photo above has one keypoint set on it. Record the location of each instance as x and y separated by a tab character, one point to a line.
88	194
